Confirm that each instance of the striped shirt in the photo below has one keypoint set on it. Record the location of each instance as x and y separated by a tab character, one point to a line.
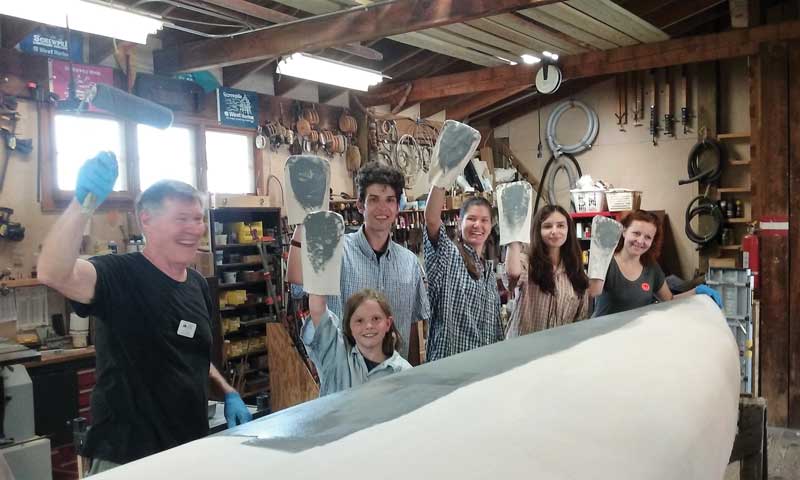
537	310
465	313
397	275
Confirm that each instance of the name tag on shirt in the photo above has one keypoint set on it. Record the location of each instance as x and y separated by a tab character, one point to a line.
186	329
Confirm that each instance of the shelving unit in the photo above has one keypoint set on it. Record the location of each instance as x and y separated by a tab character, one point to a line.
734	185
242	327
582	221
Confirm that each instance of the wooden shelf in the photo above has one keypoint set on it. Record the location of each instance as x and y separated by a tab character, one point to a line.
733	190
739	162
231	286
738	220
25	282
254	353
242	307
730	247
238	245
250	393
734	136
240	265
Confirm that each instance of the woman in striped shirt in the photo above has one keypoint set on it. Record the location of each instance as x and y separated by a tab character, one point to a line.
552	285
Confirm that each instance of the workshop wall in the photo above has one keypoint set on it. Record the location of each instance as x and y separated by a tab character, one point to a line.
628	159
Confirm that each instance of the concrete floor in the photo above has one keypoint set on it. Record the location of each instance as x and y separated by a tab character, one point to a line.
783	455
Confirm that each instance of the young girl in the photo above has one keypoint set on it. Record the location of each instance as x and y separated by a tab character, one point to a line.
634	278
553	288
462	287
362	350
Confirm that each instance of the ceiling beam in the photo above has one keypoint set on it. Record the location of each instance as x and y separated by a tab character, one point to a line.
701	48
334	29
671	14
516	110
274	16
476	103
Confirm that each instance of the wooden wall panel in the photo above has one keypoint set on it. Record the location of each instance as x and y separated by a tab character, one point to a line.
771	197
794	234
290	381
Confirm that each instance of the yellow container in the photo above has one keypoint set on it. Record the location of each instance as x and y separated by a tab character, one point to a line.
236	297
250	232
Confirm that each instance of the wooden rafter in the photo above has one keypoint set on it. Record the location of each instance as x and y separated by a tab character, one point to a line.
352	25
463	109
737	43
274	16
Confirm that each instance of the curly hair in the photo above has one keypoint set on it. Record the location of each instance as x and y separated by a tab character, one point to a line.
651	255
377	173
540	268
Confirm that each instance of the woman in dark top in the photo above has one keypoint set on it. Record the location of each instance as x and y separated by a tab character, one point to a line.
634	278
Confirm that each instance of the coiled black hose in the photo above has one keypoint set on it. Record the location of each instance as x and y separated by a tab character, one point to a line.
709	174
704	206
565	160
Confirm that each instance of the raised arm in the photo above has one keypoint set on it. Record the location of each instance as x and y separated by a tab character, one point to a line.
433	212
317	306
513	264
294	264
59	266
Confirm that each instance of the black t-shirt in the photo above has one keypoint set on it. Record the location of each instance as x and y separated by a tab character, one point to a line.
620	294
152	383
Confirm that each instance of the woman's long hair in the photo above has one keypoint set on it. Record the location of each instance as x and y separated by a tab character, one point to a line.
541	270
651	255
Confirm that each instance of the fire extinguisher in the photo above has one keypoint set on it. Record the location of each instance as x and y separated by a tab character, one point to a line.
750	257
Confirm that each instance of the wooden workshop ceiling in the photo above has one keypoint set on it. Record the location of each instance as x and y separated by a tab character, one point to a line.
563	27
568	27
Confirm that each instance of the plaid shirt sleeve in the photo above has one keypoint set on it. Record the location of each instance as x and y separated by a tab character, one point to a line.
422	309
437	255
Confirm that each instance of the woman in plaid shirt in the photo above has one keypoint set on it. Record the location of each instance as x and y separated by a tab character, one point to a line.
462	287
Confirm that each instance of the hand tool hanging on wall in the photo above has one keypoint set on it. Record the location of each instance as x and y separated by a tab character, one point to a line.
654	108
638	99
622	101
539	115
685	115
669	119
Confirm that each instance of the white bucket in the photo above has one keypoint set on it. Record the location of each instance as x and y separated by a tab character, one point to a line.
78	324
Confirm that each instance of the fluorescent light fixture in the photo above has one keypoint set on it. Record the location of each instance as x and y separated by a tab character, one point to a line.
322	70
510	62
84	16
552	56
530	59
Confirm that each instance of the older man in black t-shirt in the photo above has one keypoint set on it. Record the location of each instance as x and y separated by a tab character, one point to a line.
153	334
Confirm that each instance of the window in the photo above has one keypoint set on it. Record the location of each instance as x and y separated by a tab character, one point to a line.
79	138
229	157
165	154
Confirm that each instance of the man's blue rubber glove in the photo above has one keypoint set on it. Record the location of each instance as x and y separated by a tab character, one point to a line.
236	412
706	290
96	177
